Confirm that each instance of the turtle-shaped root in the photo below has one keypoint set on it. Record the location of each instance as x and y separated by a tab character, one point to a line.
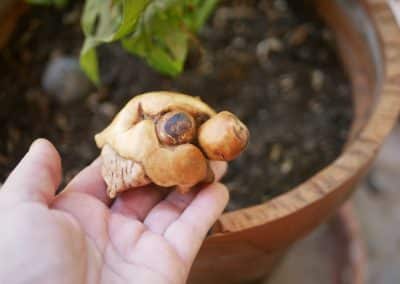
167	139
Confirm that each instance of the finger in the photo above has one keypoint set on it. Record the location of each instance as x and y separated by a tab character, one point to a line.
91	214
188	232
136	203
90	181
37	175
168	210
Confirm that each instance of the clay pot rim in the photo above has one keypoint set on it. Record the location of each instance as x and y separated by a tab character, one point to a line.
359	152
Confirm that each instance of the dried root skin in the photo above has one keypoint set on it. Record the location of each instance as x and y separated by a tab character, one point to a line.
121	174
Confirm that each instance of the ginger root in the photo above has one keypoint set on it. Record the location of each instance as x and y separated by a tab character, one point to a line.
167	139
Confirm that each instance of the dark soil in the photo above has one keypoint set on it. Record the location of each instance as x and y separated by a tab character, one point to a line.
267	61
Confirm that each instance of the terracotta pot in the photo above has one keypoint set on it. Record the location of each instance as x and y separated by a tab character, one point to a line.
246	244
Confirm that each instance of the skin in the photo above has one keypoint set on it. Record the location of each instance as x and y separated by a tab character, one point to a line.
80	236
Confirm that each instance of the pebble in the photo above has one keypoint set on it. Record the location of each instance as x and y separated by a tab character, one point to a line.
299	35
108	109
238	42
64	80
222	16
286	83
317	79
286	166
327	35
95	98
206	65
72	17
61	120
281	5
315	107
275	152
266	46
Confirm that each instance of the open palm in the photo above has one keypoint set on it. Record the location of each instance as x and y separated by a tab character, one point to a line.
146	235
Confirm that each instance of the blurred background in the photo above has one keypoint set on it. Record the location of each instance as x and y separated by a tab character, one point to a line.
374	239
272	62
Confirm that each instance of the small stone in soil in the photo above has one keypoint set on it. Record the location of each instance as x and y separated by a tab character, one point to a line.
281	5
238	42
317	80
299	35
275	152
61	121
107	109
266	46
222	16
286	166
286	83
64	80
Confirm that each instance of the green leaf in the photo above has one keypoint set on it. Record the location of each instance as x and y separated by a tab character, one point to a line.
157	30
162	33
88	61
58	3
106	21
199	13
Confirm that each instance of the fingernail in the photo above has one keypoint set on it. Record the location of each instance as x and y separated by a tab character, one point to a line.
34	143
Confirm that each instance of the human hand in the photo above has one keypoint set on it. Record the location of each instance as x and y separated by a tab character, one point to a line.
80	236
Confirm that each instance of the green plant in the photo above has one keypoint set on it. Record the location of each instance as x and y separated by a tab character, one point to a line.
157	30
58	3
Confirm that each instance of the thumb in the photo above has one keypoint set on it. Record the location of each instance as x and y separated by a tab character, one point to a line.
37	175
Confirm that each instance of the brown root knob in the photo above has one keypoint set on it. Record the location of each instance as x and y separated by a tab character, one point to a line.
176	127
223	137
182	165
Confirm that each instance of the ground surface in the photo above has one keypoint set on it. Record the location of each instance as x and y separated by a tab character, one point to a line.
268	62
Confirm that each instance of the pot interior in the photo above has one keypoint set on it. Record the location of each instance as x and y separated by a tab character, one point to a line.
360	49
259	63
311	202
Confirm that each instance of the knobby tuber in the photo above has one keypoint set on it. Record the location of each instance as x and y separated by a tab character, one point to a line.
167	139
